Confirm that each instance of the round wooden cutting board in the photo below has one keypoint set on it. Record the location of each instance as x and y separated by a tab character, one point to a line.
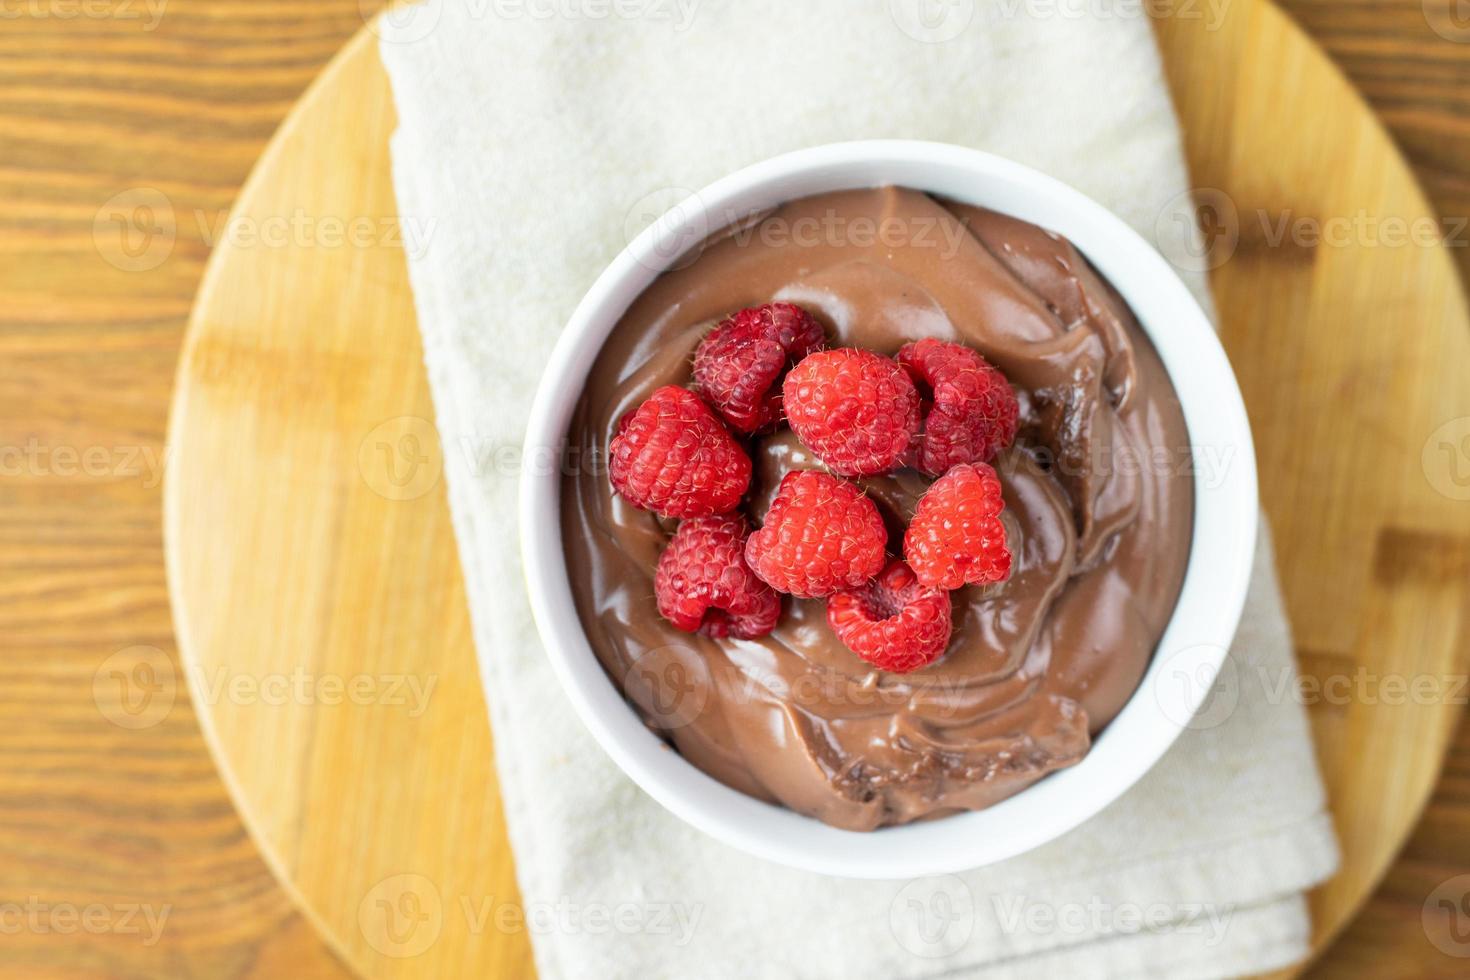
317	592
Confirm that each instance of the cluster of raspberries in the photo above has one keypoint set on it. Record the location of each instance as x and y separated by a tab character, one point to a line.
937	407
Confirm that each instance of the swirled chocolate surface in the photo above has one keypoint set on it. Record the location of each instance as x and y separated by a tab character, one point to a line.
1099	510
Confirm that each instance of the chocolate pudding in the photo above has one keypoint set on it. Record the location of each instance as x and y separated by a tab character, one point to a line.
1098	510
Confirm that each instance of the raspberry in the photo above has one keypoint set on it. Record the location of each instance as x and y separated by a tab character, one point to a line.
739	364
956	536
704	586
974	412
673	457
857	411
821	534
893	622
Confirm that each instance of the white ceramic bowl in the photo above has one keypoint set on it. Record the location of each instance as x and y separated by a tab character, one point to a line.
1190	654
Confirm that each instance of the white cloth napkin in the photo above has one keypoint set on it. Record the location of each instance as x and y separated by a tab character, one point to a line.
536	136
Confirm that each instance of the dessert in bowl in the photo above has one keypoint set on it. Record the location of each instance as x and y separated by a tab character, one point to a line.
898	522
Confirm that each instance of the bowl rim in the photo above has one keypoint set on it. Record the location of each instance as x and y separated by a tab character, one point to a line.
1201	627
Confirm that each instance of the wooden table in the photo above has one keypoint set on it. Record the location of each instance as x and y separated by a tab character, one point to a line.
111	811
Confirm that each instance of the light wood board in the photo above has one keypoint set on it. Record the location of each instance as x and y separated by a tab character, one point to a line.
310	550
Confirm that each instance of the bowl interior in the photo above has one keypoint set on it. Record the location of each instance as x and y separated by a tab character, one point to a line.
1196	638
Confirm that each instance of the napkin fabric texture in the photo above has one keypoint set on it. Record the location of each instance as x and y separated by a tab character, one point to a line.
537	137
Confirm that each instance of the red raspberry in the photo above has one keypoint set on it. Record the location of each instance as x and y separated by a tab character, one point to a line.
893	622
974	413
704	586
821	534
956	536
739	363
857	411
673	457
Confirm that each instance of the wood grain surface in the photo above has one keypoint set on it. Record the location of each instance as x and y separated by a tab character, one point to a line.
302	442
99	820
1350	345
